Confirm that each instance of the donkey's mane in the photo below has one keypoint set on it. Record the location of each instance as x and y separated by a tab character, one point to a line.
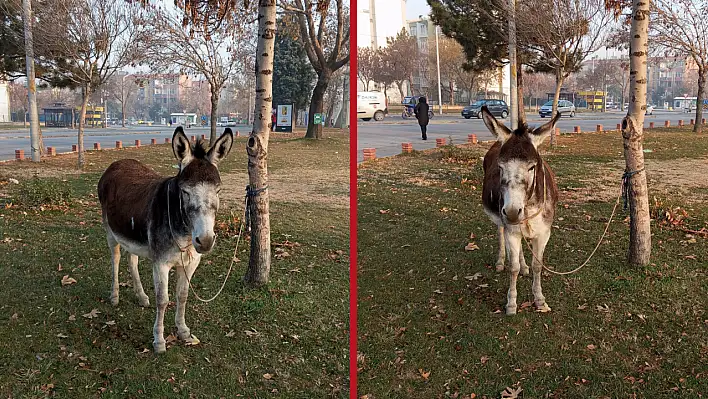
200	149
521	130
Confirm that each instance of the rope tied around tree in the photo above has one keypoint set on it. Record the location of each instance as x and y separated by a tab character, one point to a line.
625	185
251	193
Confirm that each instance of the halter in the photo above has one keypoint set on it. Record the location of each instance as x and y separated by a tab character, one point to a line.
169	222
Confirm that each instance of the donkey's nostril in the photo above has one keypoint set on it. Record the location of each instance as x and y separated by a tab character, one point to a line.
519	211
197	240
504	211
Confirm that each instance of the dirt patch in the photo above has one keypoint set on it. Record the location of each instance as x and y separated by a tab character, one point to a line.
677	177
329	188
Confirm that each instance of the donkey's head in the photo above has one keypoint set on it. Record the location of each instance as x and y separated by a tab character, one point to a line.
519	162
199	184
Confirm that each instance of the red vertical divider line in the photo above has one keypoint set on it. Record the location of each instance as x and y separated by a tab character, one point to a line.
352	206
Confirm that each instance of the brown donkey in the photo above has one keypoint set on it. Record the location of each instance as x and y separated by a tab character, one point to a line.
519	194
167	220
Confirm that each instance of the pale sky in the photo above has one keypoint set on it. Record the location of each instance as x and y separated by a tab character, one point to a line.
415	8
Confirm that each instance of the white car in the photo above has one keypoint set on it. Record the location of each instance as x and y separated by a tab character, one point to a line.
371	104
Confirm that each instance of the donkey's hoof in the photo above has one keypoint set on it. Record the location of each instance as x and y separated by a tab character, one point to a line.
191	340
543	308
500	266
114	300
510	310
160	347
144	301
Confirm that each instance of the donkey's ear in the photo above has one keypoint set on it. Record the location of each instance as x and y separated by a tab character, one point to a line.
221	147
181	147
540	133
501	132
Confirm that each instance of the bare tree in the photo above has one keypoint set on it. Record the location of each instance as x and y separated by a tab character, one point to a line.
97	37
257	148
324	31
564	33
537	85
681	27
397	61
368	63
180	44
121	88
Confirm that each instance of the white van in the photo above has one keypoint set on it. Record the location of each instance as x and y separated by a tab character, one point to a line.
371	104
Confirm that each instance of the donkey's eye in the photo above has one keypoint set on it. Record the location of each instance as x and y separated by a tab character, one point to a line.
532	168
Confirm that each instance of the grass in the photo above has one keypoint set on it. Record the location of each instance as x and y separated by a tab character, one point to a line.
288	339
431	315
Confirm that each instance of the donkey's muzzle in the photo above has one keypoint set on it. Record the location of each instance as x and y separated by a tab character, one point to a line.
204	244
512	214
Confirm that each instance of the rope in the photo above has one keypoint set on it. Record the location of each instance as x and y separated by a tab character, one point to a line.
625	185
186	249
251	193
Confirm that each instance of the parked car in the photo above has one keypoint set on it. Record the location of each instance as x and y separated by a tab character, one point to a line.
496	107
564	108
650	109
371	104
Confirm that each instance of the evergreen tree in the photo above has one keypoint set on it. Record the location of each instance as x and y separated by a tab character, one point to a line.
293	76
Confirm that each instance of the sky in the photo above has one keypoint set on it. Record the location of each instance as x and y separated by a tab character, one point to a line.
415	8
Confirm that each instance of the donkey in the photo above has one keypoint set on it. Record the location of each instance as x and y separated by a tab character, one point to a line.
167	220
519	194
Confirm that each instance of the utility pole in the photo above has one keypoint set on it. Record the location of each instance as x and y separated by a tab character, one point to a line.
31	86
345	101
437	56
513	93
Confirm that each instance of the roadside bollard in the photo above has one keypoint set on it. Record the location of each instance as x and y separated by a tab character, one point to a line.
119	145
137	143
369	154
667	123
693	122
203	136
680	122
406	148
153	141
20	154
472	138
619	127
440	142
74	148
238	134
97	146
651	125
598	128
167	140
703	121
576	129
51	151
194	139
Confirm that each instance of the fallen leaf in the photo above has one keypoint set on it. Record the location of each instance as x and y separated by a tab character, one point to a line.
438	292
111	323
591	347
484	359
424	374
583	306
66	280
526	305
230	334
59	268
268	376
384	211
474	276
511	393
60	335
72	317
471	247
91	314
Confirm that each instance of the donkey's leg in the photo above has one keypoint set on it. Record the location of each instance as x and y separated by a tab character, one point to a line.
160	275
137	285
502	250
539	246
115	264
513	243
184	274
524	267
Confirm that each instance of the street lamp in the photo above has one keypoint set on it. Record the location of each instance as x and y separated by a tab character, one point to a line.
437	56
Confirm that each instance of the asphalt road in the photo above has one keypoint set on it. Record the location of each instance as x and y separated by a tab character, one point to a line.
62	138
386	136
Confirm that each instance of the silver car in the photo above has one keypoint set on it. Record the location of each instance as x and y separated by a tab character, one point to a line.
564	108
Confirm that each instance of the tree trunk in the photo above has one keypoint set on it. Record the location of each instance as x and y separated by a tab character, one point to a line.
213	117
35	139
698	126
520	90
556	94
400	89
82	123
317	105
257	148
633	131
452	93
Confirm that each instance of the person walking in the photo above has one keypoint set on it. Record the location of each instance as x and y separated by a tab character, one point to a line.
421	113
